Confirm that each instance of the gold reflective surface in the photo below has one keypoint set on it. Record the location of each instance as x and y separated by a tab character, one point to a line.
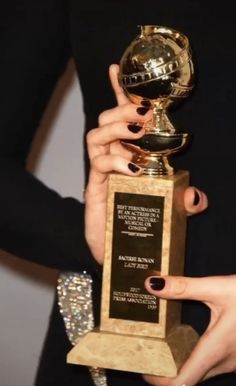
157	67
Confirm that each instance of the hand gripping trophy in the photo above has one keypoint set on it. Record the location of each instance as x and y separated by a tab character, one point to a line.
146	221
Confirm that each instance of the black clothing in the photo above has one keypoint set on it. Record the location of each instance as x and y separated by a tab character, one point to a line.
36	38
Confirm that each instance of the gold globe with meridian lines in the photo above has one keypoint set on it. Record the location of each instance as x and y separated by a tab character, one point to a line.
157	67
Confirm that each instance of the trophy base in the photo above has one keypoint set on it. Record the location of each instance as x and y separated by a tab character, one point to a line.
145	355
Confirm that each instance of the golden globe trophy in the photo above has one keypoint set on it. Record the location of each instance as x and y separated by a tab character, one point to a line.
146	221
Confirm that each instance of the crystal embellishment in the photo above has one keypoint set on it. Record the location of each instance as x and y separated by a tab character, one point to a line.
76	307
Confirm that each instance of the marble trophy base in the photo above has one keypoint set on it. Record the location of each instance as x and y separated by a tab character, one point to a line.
155	356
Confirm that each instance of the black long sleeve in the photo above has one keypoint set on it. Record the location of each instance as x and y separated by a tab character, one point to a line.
35	222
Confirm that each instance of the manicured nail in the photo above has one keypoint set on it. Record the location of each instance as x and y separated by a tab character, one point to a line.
157	283
134	168
134	128
142	110
146	103
196	198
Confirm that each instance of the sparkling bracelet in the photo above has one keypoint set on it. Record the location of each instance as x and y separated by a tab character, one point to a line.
76	307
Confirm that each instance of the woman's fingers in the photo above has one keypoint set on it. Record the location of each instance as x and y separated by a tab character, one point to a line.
204	356
204	289
178	287
227	365
126	113
158	381
119	93
215	351
102	165
195	201
208	354
98	139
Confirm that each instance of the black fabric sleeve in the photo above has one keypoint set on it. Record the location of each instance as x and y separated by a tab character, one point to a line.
35	222
39	225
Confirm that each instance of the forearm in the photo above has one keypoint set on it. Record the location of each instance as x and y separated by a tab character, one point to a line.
39	225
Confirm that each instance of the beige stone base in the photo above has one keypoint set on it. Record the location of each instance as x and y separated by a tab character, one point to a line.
135	353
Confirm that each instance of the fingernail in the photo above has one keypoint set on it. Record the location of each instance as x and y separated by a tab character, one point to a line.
196	198
157	283
134	168
142	110
146	103
134	128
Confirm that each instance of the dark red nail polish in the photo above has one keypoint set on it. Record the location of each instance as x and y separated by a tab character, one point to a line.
157	283
142	110
146	103
134	128
134	168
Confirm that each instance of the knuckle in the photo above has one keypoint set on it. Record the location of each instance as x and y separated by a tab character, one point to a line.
94	163
90	136
102	118
114	129
179	286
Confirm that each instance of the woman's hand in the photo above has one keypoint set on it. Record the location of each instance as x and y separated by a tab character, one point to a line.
107	154
215	352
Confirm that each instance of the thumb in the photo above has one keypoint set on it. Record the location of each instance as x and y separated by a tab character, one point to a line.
118	90
181	287
203	358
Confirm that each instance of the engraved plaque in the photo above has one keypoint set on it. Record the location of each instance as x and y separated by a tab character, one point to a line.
136	254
